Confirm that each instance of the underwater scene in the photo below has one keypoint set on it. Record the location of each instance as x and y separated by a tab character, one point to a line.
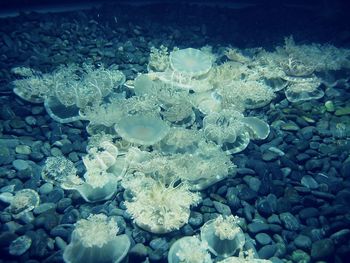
174	131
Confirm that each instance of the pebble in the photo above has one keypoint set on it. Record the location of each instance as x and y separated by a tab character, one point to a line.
300	256
263	239
70	217
5	155
138	253
308	212
196	219
39	247
303	242
140	236
45	188
267	251
222	208
23	149
20	245
60	231
44	207
309	182
257	227
289	221
55	195
63	203
20	165
322	249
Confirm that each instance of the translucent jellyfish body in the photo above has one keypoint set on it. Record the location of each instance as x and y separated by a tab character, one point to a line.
188	69
159	209
302	83
101	157
223	236
190	61
61	171
223	127
189	250
23	201
95	239
304	90
180	140
232	131
98	186
212	165
142	129
226	129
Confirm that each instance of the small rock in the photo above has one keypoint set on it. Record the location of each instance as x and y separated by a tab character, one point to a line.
303	242
300	256
309	182
322	249
263	239
257	227
267	251
289	221
222	208
20	245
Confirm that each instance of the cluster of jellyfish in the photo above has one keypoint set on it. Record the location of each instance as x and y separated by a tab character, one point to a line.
163	137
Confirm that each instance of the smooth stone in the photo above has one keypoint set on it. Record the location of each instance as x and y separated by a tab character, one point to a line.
20	245
313	164
187	230
138	253
5	155
307	132
51	220
63	204
303	242
263	239
159	244
302	157
290	126
267	251
60	243
247	194
140	236
254	183
45	188
17	123
289	221
222	208
30	120
300	256
60	231
39	247
309	182
23	149
44	208
342	111
257	227
308	212
264	207
232	199
196	219
70	217
20	165
322	249
340	236
55	195
160	248
274	219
